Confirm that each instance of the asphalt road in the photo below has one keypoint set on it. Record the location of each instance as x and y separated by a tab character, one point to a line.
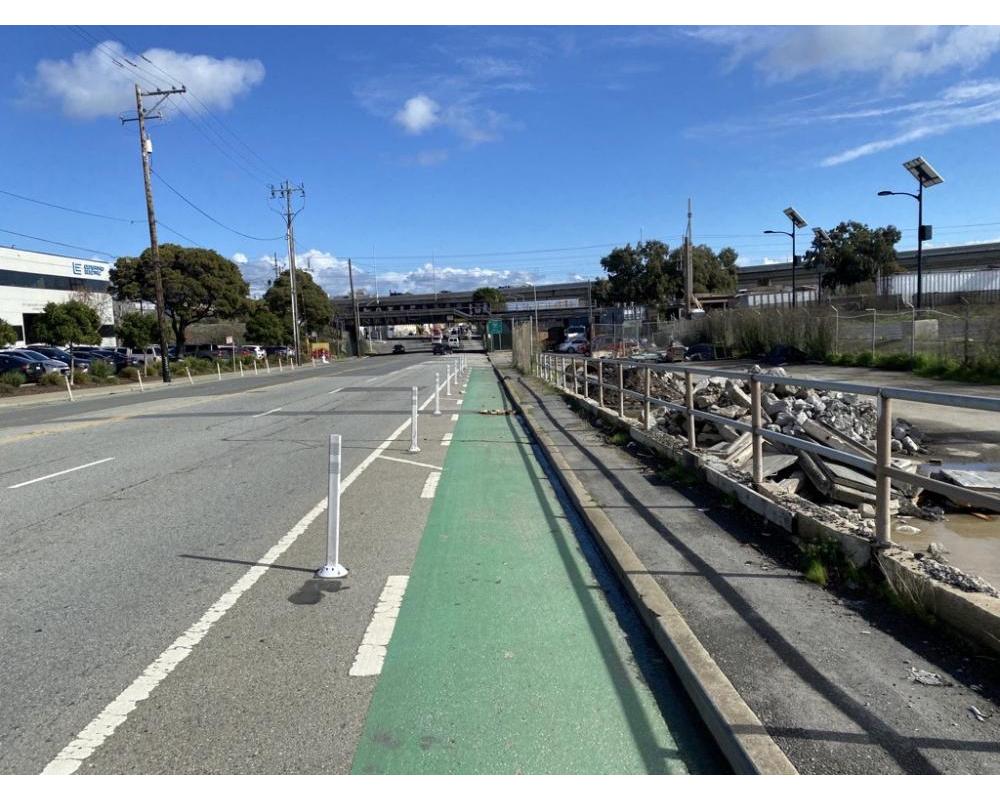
152	508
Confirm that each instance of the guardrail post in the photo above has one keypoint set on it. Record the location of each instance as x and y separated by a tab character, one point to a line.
600	383
648	409
883	483
333	568
437	394
414	447
757	420
689	402
621	390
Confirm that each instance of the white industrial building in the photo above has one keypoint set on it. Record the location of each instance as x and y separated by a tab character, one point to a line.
30	280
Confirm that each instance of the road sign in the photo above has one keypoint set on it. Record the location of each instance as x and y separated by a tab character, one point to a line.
229	340
494	326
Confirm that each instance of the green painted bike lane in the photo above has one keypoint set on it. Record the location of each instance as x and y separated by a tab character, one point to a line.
506	657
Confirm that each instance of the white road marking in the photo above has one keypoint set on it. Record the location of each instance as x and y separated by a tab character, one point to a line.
72	756
337	390
63	472
454	417
267	412
374	645
407	461
446	440
458	402
430	486
373	379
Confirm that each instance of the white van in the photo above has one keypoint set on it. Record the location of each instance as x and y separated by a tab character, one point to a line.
454	342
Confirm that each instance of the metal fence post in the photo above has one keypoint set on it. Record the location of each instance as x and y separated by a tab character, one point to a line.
586	378
757	420
572	366
414	447
621	390
883	483
600	383
648	409
689	402
333	568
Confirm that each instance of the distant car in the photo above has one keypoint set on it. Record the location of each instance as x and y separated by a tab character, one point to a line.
398	349
48	364
575	332
441	349
58	354
578	346
454	342
675	352
282	351
11	362
254	350
700	352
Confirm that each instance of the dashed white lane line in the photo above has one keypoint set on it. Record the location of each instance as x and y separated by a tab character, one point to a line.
446	439
72	756
430	486
454	417
458	402
255	416
375	643
62	472
408	461
337	390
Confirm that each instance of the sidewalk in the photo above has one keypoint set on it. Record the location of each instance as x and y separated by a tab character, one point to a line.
828	675
506	656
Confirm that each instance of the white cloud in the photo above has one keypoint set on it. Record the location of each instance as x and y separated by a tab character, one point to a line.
418	114
897	53
240	258
89	84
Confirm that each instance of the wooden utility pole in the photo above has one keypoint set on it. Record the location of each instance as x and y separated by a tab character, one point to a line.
357	316
287	190
688	266
145	151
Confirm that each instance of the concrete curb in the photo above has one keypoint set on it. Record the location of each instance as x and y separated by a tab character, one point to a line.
738	732
973	616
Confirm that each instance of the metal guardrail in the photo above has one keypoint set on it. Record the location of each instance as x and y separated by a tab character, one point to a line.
552	367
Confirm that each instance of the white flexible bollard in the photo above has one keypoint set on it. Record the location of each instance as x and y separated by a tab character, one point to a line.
218	369
242	374
333	568
267	363
255	372
437	394
447	381
414	447
69	390
190	379
139	376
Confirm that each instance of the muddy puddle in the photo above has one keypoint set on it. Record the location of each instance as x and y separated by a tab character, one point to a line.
974	543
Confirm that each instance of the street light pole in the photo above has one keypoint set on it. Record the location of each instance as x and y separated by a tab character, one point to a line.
797	222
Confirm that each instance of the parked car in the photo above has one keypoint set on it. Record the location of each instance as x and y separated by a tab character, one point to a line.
579	346
282	351
113	359
454	342
254	350
398	349
575	332
49	364
79	362
12	362
700	352
441	349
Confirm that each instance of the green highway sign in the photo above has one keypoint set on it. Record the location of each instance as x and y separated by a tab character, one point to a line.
494	326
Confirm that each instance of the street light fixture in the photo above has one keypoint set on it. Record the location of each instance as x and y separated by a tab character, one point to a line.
926	175
797	222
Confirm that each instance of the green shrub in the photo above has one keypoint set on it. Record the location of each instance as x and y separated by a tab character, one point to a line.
6	389
99	369
13	378
52	379
80	377
129	374
865	359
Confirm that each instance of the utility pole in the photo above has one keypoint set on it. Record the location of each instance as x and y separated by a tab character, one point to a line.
688	266
145	151
357	316
277	272
287	190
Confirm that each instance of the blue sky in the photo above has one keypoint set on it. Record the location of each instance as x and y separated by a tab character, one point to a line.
466	147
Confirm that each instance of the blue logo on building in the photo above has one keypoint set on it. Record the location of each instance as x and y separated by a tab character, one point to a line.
87	269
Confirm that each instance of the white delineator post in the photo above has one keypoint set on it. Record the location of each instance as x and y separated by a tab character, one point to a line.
255	372
242	375
414	447
190	379
458	369
267	363
218	369
447	381
139	376
69	390
437	394
333	568
280	367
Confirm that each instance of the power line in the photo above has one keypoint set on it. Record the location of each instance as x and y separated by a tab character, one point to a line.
162	224
66	208
77	247
205	214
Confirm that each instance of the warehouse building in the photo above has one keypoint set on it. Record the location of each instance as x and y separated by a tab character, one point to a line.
30	280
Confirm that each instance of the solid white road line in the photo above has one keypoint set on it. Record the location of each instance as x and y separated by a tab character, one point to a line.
374	645
446	440
407	461
267	412
72	756
63	472
337	390
430	486
454	417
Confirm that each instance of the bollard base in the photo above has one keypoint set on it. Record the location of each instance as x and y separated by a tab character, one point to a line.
436	414
331	571
413	449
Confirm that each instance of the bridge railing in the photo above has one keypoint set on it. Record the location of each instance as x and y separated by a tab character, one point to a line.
563	372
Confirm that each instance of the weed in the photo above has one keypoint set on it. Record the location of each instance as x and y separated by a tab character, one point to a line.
816	573
129	374
619	438
13	379
51	379
99	369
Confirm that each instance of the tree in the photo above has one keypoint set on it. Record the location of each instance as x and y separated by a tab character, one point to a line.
73	322
493	298
315	311
713	273
137	330
197	283
7	334
642	274
263	327
857	254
